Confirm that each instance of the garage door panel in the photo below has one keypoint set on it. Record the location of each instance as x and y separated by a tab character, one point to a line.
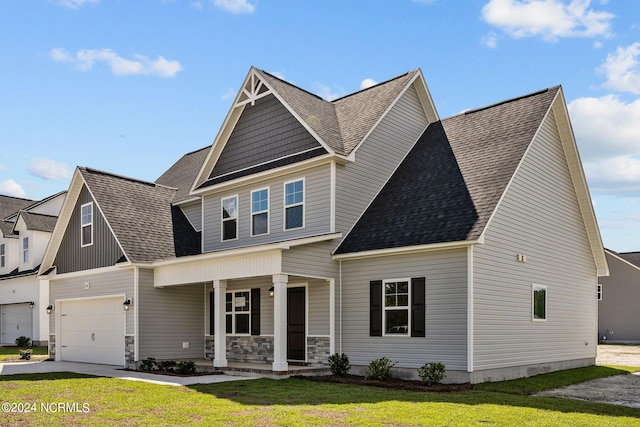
92	331
16	321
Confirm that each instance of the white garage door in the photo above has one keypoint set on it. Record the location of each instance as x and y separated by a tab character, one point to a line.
92	330
16	322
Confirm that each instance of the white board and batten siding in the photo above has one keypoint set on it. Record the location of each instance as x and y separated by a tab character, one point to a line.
445	274
170	317
539	218
377	158
317	195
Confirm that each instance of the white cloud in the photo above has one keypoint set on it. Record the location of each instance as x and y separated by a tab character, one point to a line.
74	4
549	19
326	93
229	94
49	169
607	132
11	188
84	60
235	6
424	1
197	5
622	69
367	83
490	40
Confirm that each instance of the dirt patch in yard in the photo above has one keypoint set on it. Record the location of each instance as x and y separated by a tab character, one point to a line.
618	390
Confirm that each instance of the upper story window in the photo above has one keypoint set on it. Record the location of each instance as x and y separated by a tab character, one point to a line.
599	292
260	212
230	218
86	224
2	255
539	300
25	250
294	204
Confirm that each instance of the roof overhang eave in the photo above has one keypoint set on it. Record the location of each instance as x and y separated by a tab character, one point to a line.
406	250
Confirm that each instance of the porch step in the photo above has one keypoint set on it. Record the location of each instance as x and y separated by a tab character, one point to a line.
261	369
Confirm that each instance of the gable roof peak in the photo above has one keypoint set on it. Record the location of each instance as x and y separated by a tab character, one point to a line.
122	177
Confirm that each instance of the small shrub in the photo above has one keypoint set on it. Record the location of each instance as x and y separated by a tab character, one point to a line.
339	364
432	373
167	365
23	341
148	364
25	354
379	369
186	367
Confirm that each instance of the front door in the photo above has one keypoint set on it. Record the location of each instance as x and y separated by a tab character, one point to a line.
296	330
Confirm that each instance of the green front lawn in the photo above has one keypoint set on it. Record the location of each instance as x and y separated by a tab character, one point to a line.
89	400
12	353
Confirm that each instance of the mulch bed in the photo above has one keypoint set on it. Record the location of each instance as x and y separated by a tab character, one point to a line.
391	383
174	374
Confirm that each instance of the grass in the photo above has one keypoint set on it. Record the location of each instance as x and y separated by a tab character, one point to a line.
294	402
8	354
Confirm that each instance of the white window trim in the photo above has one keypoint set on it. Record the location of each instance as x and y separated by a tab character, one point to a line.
25	251
82	226
267	211
535	286
222	219
384	308
599	291
233	312
284	199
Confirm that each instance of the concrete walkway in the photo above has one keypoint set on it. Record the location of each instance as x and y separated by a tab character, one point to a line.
37	367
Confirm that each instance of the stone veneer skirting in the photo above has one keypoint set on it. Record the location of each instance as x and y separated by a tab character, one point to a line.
259	349
130	351
52	347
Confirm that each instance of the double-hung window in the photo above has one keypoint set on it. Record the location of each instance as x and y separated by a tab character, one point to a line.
397	307
539	302
260	212
2	255
230	218
294	204
25	250
238	308
86	224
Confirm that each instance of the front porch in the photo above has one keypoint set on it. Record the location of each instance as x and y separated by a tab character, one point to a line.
260	370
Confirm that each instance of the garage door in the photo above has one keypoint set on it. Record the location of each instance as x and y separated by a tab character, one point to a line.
92	330
16	322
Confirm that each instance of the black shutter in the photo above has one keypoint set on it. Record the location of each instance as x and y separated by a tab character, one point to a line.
255	311
212	313
375	308
417	307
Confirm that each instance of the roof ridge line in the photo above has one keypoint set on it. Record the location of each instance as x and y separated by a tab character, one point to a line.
374	86
506	101
126	178
292	85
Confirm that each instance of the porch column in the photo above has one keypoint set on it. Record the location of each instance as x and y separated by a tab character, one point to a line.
219	328
280	322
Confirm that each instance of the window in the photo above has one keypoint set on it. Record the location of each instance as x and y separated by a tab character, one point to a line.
294	204
2	255
260	212
25	250
539	298
238	312
599	292
230	218
86	224
397	307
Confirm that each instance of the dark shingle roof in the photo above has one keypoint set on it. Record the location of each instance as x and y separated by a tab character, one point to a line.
39	222
344	122
631	257
449	184
6	227
10	205
183	172
140	214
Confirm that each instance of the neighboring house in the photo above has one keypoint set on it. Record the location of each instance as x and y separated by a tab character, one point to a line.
619	299
363	225
26	227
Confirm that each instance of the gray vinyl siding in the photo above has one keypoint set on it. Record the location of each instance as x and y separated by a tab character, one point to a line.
316	210
168	317
539	217
377	158
312	260
618	310
194	215
445	273
94	285
265	131
105	250
318	308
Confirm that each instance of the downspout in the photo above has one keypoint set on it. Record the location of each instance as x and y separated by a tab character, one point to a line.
470	308
340	292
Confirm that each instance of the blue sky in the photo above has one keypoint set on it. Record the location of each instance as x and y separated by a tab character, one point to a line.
130	86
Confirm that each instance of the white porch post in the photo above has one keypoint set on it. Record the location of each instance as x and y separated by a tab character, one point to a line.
220	330
280	322
332	316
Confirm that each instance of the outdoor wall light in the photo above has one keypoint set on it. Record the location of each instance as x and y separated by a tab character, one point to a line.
126	305
49	309
271	291
31	304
